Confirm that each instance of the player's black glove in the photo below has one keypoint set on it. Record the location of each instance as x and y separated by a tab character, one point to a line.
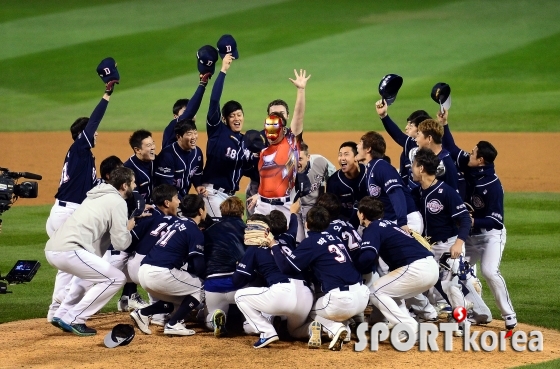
110	86
204	78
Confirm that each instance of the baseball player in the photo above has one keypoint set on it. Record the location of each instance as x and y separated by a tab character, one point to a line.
442	208
147	232
171	271
278	162
78	172
180	164
282	296
74	249
226	154
142	162
317	168
223	249
344	295
488	234
412	267
348	183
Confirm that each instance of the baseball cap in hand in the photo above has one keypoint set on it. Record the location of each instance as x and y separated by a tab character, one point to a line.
227	45
441	93
207	56
389	87
107	70
135	204
254	141
120	335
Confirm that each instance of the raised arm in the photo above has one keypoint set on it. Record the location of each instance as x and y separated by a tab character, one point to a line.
296	125
391	127
214	114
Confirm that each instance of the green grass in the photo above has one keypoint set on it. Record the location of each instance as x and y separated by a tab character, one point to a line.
498	56
546	365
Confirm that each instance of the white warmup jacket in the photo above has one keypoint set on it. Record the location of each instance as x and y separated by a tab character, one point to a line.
104	210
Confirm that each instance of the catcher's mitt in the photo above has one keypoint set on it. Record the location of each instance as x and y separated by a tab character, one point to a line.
257	233
423	241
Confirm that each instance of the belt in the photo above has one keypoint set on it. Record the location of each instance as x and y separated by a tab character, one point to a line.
289	280
67	204
115	252
347	287
276	201
229	193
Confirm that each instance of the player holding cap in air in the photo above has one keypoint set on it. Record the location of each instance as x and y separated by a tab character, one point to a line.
488	234
78	172
278	162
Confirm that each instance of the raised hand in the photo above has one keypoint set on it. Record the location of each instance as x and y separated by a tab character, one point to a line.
381	107
301	79
226	62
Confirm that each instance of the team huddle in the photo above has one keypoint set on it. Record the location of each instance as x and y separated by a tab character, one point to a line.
319	245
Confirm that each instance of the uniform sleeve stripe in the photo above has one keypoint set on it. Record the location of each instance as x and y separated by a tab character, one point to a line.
390	188
196	252
295	266
164	175
496	219
454	215
242	271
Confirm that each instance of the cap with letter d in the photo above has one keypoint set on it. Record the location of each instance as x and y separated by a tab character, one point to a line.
389	87
207	56
441	93
227	45
107	70
120	335
254	141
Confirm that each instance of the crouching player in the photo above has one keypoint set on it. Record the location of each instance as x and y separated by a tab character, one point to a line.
412	268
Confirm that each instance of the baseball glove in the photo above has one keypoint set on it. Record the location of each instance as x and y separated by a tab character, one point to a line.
423	241
258	233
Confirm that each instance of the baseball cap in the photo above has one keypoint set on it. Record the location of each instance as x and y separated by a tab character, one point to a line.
107	70
441	93
227	45
254	141
135	204
389	87
120	335
207	57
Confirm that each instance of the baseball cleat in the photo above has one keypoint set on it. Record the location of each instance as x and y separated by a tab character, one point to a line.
83	330
159	319
55	321
141	321
444	311
338	338
122	304
53	307
262	342
478	319
459	331
511	321
219	323
178	329
135	301
315	329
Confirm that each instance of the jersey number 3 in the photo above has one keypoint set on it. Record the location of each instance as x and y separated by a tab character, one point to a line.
339	254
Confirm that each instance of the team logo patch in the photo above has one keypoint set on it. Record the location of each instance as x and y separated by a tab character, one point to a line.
477	202
434	206
374	190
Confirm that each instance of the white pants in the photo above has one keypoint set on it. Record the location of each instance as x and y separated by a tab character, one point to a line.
334	308
415	221
133	266
91	269
488	248
213	200
292	300
119	259
449	279
171	285
252	189
402	283
265	208
215	301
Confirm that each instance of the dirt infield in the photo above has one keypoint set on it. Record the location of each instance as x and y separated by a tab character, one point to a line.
520	163
36	343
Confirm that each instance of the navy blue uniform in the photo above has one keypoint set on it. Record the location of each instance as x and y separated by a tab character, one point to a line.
224	246
346	232
384	183
484	190
397	248
148	231
348	191
182	243
179	168
78	173
226	155
143	176
407	143
192	108
442	208
327	257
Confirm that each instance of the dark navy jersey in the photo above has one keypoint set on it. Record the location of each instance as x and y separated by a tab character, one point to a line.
442	208
397	248
259	261
384	183
192	108
407	143
179	168
347	233
288	238
181	242
224	246
483	191
348	191
149	230
326	255
143	176
78	172
226	155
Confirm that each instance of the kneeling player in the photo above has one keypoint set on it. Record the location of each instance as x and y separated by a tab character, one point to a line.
412	268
